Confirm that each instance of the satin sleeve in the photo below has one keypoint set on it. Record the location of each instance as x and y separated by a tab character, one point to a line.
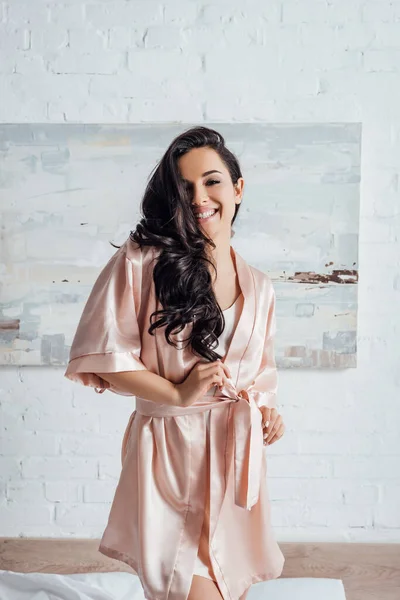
264	387
108	339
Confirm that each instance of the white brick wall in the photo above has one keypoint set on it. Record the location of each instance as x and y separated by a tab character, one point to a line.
336	473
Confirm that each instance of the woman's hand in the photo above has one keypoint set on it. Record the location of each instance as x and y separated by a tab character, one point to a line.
201	378
273	426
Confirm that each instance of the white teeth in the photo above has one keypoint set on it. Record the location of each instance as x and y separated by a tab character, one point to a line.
206	214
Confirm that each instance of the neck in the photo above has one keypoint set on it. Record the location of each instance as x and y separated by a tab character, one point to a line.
222	258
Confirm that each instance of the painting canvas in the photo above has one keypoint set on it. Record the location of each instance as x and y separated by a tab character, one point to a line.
67	191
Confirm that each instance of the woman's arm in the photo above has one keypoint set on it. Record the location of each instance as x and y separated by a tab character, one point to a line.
145	384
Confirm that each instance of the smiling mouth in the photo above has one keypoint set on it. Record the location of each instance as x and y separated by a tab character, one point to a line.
207	214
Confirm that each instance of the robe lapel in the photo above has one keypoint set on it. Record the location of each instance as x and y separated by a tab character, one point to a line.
244	328
247	433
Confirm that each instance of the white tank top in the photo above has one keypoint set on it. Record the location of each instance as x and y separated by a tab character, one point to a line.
231	316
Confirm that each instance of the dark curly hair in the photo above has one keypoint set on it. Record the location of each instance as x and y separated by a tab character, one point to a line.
181	276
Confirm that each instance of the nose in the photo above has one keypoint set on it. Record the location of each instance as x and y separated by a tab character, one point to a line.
200	196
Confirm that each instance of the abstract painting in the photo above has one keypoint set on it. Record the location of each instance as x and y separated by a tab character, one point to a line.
67	191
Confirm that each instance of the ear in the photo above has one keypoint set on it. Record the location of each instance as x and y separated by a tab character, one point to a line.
239	186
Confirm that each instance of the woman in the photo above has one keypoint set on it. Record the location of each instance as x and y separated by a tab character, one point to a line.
191	511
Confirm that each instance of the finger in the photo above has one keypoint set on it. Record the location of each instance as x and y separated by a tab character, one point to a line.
273	422
273	425
216	384
215	368
274	413
223	373
225	368
272	429
274	435
266	415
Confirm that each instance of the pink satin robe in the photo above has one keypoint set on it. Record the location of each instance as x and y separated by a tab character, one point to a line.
156	516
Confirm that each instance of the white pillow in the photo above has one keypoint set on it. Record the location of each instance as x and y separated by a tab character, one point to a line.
298	588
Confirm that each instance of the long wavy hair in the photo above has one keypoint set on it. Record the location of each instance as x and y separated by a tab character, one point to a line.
182	279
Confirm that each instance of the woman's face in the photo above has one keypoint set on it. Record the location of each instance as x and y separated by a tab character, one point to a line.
210	189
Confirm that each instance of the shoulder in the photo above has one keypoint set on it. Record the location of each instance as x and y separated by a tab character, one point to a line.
264	283
262	280
135	252
263	277
141	258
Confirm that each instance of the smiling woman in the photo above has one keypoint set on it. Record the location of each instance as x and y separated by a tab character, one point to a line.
191	511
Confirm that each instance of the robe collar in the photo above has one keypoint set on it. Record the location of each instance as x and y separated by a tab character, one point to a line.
248	434
244	329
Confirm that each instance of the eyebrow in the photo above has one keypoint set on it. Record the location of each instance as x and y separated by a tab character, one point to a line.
206	173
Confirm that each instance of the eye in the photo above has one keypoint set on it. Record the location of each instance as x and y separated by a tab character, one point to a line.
212	181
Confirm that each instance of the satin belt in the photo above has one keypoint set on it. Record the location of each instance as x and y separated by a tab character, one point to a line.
247	438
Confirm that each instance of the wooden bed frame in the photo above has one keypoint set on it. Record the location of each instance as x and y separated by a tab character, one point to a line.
368	571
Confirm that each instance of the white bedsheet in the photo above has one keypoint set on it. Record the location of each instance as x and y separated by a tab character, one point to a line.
126	586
